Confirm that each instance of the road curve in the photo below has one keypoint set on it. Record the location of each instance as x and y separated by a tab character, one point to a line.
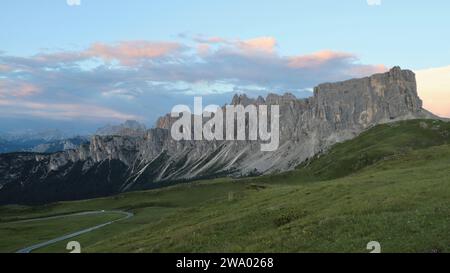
29	249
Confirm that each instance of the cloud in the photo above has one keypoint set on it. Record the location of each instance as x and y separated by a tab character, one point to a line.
73	2
129	53
434	88
203	49
60	111
261	44
122	93
257	62
374	2
17	89
131	78
319	58
208	40
5	68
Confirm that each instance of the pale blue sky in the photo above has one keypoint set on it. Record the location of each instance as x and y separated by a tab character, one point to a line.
104	56
412	33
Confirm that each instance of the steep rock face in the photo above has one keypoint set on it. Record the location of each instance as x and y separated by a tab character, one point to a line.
337	112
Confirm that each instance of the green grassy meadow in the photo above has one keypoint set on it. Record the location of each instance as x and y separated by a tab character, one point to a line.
391	184
17	235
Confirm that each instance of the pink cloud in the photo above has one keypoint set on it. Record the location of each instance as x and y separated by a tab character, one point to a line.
5	68
232	63
203	49
255	45
129	53
61	111
317	58
260	44
17	89
366	70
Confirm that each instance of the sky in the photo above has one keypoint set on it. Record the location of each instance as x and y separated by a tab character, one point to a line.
78	64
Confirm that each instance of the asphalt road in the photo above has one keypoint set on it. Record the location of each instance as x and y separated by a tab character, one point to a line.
29	249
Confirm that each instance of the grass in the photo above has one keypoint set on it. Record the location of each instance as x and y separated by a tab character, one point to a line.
17	235
391	184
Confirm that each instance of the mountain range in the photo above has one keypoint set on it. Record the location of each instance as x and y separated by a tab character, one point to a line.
128	128
116	160
48	141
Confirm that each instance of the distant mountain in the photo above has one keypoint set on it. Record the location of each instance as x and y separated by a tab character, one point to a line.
60	145
48	141
27	136
51	141
10	146
129	128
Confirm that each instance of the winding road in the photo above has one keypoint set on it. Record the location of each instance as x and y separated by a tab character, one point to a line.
127	215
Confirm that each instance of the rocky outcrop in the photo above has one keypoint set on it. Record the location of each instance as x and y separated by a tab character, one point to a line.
59	145
337	112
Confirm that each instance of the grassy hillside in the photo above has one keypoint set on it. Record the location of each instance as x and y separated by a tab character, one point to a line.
391	184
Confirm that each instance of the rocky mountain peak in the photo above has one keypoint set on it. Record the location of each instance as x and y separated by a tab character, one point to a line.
242	99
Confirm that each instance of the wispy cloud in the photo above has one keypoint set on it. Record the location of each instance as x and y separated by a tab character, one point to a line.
261	44
60	111
130	78
17	88
319	58
4	68
373	2
130	53
126	53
